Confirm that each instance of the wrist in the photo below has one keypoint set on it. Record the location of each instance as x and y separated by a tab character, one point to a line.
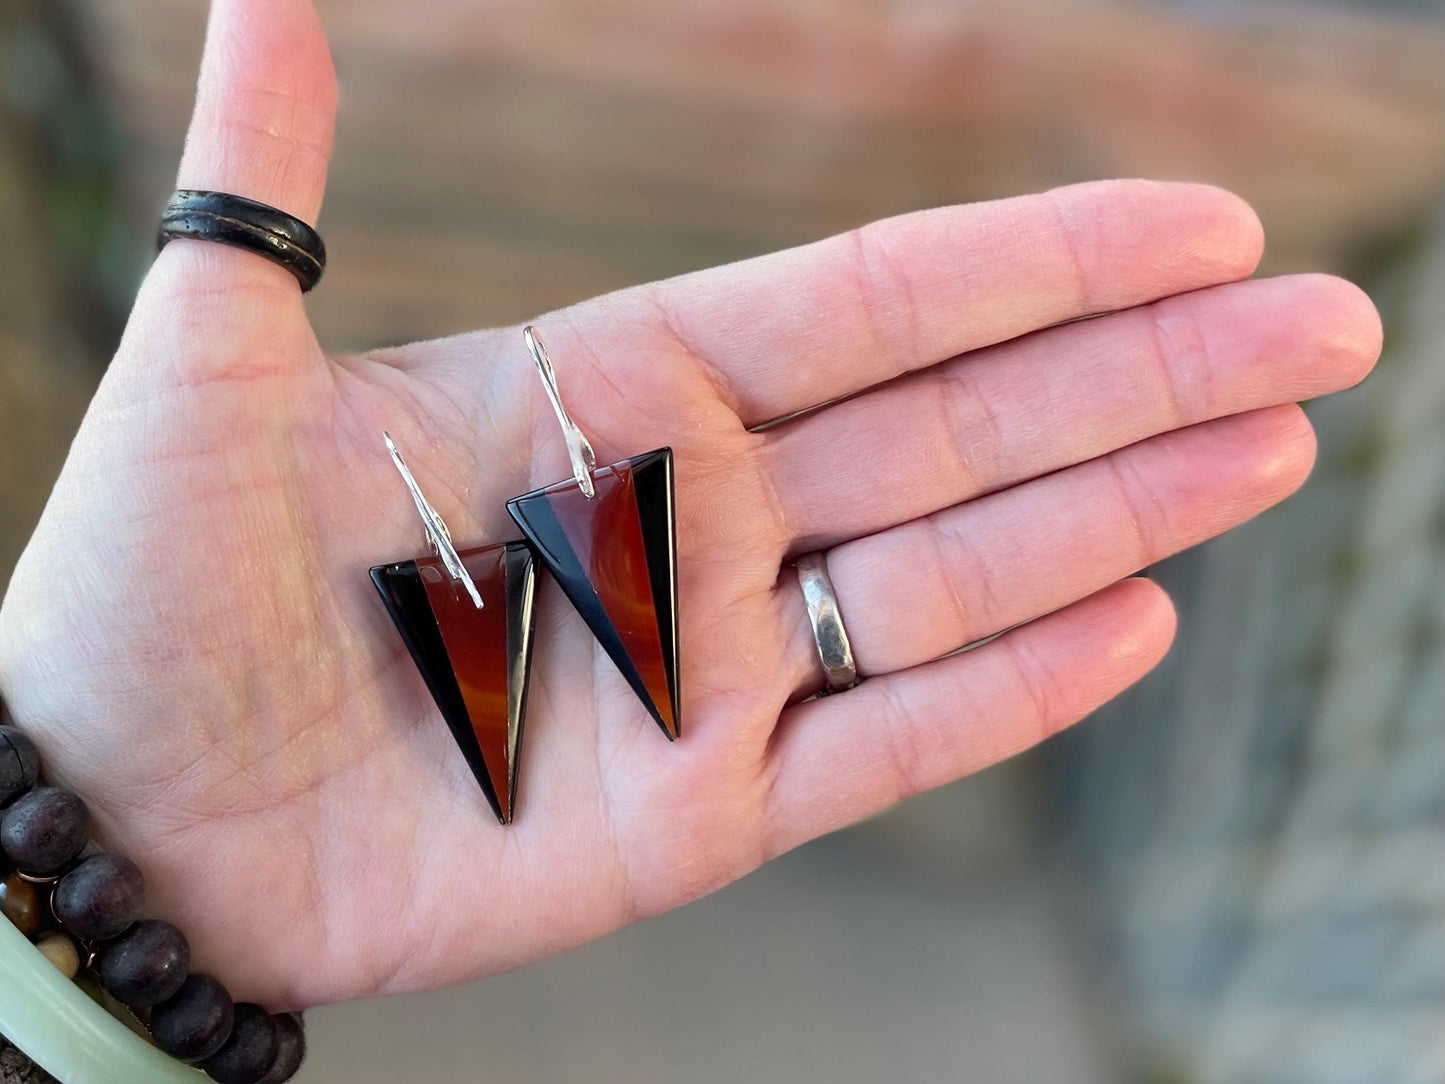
60	893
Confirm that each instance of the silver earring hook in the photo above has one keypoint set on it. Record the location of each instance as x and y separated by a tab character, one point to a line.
584	460
436	528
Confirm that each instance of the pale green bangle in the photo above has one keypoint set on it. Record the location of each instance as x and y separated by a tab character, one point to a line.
66	1033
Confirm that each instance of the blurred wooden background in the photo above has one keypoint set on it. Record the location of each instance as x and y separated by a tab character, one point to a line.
496	159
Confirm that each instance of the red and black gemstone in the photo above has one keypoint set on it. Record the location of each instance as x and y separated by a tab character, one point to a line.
475	661
615	557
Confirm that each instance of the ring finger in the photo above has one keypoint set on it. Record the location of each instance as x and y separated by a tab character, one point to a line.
917	591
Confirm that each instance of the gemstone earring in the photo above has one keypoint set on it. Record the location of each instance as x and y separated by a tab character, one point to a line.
466	617
608	538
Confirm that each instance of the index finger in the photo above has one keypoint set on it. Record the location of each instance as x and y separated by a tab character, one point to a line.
801	327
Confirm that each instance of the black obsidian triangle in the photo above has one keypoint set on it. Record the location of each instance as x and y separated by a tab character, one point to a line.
475	662
615	557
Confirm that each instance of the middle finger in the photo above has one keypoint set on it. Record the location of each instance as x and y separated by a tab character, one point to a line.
1033	405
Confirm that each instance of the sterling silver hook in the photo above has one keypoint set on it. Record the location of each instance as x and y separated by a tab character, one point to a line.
436	528
584	460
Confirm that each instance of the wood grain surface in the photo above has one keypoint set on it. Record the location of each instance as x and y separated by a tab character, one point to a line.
496	159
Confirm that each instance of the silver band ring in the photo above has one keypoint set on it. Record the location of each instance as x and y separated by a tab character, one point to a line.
834	650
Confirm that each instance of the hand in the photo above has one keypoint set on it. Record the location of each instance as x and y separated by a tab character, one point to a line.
192	640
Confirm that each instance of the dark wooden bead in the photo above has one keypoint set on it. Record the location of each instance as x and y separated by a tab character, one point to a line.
290	1048
195	1021
19	764
44	829
100	897
20	903
248	1054
146	964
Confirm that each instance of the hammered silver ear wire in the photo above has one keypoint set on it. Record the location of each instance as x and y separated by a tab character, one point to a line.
436	529
579	450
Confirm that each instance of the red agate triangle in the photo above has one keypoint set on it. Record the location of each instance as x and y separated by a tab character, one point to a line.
615	557
475	661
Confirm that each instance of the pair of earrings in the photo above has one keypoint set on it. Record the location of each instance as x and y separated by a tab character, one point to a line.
607	536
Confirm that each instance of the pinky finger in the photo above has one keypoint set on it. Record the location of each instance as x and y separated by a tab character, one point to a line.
840	758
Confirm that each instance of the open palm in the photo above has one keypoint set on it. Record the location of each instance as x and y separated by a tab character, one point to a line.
193	642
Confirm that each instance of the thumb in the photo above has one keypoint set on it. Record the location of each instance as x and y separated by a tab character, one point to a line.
265	109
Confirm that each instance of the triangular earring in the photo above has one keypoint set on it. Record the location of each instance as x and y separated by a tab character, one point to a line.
466	617
609	538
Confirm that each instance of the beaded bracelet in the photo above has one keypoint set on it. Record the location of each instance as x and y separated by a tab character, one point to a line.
143	963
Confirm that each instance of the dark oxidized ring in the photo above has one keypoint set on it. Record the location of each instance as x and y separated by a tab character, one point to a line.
245	223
